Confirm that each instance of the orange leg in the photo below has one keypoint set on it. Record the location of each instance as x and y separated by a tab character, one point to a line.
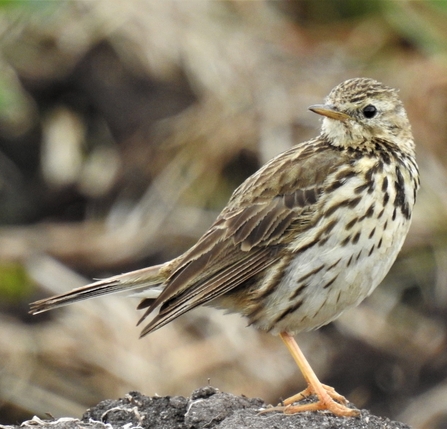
325	394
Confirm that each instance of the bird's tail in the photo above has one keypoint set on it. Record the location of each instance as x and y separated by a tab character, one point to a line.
133	282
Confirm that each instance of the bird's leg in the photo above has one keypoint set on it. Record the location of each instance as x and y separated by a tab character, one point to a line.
325	394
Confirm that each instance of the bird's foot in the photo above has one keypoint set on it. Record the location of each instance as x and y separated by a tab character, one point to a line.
326	401
309	392
322	404
326	395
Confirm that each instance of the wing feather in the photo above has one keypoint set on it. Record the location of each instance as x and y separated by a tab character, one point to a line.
220	282
268	211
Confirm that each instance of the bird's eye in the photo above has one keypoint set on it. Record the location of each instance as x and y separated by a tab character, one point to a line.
369	111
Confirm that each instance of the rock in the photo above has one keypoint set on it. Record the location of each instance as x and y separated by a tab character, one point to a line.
207	408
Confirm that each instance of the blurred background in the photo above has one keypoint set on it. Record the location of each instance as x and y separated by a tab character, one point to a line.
124	128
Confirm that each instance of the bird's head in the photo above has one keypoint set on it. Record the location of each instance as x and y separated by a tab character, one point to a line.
360	110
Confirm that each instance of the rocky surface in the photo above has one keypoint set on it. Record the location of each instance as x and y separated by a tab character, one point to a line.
207	408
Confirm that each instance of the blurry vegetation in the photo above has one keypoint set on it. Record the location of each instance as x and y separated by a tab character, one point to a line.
14	283
124	128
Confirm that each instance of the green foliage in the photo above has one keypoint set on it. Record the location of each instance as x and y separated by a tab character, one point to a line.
420	22
309	12
14	282
13	103
30	5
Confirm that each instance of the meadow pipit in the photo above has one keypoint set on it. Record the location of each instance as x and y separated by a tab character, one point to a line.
307	236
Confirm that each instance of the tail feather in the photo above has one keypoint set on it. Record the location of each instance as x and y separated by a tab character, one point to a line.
134	281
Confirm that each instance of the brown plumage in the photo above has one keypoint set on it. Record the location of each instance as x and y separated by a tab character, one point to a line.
310	234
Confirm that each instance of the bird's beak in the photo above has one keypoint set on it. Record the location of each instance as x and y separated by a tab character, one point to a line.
329	111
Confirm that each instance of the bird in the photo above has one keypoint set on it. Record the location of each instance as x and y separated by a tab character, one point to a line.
309	235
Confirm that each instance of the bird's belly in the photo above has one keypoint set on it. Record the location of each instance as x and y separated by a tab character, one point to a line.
333	274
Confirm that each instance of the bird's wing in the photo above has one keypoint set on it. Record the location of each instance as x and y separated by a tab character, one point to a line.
264	214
